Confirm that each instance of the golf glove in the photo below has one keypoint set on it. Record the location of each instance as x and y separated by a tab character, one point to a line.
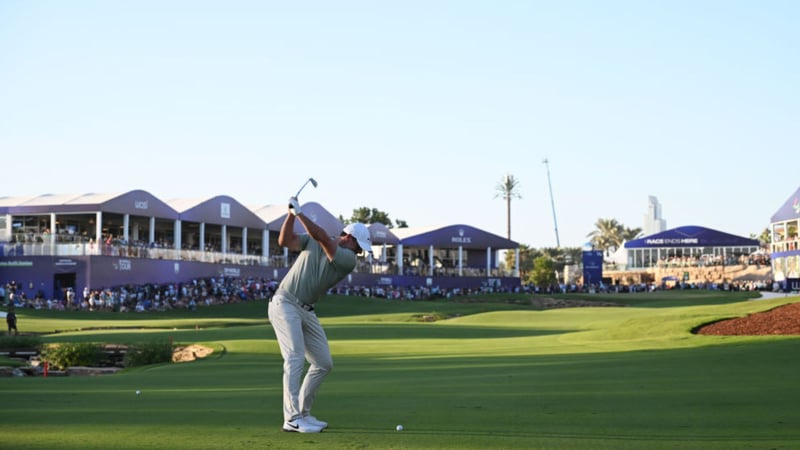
294	206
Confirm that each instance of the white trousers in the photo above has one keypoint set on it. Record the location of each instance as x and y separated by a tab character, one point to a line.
300	337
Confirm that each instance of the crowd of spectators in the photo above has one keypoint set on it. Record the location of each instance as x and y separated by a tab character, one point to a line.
420	292
147	297
207	292
755	259
226	290
732	286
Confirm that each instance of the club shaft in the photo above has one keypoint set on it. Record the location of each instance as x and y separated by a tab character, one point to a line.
301	188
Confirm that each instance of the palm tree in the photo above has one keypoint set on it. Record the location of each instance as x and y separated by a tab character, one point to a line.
629	234
508	190
608	235
765	237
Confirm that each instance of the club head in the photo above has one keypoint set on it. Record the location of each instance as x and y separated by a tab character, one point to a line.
310	180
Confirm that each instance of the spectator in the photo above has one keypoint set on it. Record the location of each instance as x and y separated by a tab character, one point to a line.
11	320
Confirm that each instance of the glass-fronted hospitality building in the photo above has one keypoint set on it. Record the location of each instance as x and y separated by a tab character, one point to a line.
688	246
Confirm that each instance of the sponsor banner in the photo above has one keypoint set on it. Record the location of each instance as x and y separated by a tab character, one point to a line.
672	241
122	265
231	272
16	263
461	239
592	267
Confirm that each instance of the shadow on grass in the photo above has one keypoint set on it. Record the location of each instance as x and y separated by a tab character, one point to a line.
334	331
670	298
427	331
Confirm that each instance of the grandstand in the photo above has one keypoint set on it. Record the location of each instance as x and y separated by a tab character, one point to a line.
53	244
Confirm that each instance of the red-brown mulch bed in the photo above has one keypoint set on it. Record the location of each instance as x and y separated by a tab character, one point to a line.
781	320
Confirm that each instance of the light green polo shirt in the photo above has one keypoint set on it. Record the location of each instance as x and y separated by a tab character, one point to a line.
312	274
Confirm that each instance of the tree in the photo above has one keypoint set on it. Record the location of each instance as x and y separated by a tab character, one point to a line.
610	235
629	234
543	273
573	255
559	256
371	215
507	189
606	234
765	238
526	257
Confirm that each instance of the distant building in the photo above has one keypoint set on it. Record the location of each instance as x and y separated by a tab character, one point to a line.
785	246
688	246
54	244
653	223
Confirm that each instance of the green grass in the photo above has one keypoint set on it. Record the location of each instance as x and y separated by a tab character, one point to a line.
497	374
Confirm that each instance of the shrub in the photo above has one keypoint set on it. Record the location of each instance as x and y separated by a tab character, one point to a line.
66	355
154	352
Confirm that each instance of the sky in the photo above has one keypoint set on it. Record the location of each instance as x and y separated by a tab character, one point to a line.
416	108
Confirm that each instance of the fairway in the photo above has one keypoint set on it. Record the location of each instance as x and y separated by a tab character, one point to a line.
489	374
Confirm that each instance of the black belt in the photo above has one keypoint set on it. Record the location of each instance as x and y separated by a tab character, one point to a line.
307	306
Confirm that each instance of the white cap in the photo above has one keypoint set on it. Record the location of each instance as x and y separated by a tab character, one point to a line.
361	233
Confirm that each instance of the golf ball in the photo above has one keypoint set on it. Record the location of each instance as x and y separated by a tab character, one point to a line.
138	392
399	428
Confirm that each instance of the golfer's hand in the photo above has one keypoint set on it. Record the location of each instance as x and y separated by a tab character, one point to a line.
294	206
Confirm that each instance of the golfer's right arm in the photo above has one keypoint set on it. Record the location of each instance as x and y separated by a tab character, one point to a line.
288	238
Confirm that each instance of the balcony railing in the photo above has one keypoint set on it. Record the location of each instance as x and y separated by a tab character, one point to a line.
785	246
20	249
126	251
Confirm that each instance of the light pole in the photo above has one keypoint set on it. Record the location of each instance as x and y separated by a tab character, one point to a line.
552	202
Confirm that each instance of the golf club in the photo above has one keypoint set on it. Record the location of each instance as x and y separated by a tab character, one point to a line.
313	182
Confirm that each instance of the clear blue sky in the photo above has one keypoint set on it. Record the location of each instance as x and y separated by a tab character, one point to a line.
417	108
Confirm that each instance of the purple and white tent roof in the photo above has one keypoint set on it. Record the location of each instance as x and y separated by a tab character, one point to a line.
790	209
691	236
136	202
452	236
219	210
274	215
381	234
225	210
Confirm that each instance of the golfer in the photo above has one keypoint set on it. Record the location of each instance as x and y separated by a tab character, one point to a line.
322	263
